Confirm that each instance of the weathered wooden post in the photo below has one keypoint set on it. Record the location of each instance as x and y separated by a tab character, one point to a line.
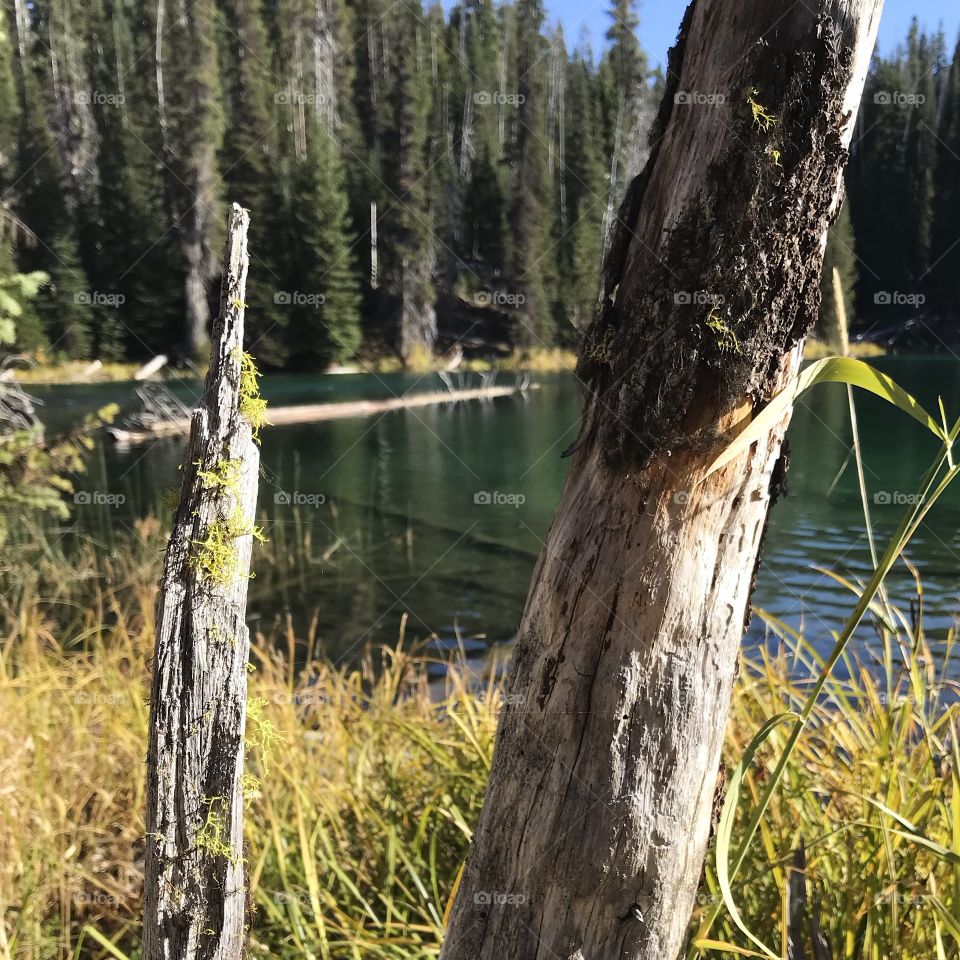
595	823
194	893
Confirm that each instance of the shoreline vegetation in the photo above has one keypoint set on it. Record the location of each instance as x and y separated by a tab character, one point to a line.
364	782
77	371
536	361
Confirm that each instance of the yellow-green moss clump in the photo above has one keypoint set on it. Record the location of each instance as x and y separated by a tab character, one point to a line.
223	475
253	408
211	835
215	558
725	335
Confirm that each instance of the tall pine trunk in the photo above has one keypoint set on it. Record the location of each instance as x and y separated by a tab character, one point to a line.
592	837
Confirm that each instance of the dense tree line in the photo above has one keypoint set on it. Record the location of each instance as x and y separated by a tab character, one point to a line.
898	242
414	178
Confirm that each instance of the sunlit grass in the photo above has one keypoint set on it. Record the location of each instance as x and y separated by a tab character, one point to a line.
867	818
817	349
364	785
540	360
69	371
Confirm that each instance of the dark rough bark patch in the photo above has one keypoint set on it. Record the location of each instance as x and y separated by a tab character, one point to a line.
749	244
779	485
598	338
548	681
612	272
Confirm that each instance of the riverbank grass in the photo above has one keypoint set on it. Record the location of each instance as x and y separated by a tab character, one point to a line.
364	784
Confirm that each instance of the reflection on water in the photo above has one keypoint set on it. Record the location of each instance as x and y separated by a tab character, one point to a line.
440	512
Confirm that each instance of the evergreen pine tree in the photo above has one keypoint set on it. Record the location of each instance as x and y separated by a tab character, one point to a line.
891	181
945	252
139	242
407	231
191	119
371	22
920	155
69	95
581	245
324	322
254	175
345	127
9	105
118	218
9	121
878	169
627	105
365	140
482	167
485	213
529	209
444	186
483	42
63	304
627	61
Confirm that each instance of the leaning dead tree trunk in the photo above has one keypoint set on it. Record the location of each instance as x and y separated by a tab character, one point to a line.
593	832
194	896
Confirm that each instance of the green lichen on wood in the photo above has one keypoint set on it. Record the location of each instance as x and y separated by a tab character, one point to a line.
224	475
762	117
215	559
262	734
253	408
210	836
250	787
215	635
601	352
726	337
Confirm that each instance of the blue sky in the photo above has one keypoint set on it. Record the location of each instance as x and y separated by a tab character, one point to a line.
659	20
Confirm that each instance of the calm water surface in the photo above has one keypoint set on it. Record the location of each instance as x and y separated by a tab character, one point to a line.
440	512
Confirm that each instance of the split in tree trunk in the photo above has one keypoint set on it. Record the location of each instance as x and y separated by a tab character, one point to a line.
194	895
591	841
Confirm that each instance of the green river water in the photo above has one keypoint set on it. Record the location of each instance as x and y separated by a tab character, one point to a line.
439	512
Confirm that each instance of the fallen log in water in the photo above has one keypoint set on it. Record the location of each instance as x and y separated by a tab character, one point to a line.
310	412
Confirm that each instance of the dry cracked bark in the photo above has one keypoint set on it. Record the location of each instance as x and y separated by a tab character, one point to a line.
194	893
592	837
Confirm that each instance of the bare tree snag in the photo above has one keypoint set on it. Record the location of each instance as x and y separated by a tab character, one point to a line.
593	832
194	895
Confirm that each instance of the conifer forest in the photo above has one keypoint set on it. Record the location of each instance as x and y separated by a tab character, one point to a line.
418	181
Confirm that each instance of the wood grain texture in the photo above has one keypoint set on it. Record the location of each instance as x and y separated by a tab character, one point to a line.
194	893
